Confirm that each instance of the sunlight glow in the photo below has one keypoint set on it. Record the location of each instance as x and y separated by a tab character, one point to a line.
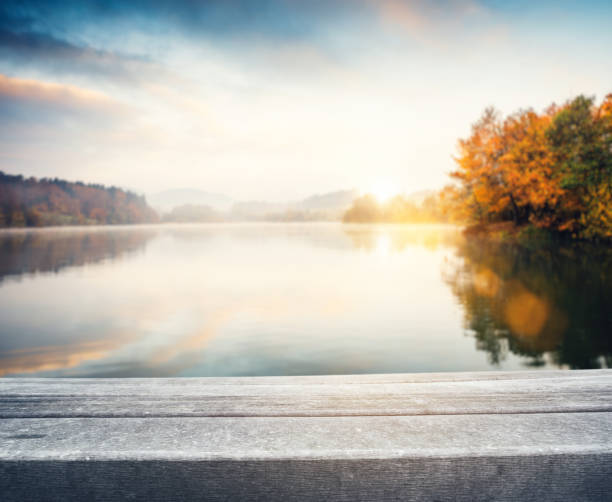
384	190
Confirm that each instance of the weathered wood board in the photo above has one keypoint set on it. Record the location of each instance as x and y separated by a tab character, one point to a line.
455	436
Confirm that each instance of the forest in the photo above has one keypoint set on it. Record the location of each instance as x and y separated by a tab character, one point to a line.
31	202
550	171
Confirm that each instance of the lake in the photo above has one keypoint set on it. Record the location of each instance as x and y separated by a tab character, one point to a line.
295	299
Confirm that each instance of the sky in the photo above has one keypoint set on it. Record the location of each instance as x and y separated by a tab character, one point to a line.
279	99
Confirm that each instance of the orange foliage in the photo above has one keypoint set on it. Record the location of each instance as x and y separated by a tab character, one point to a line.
551	170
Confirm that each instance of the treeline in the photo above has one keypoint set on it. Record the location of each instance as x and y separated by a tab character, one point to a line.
550	170
399	209
29	202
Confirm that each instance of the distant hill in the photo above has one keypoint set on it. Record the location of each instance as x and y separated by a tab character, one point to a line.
190	213
257	209
336	201
326	206
30	202
166	201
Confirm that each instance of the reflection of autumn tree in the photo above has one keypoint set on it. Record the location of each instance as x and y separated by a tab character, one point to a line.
49	251
533	302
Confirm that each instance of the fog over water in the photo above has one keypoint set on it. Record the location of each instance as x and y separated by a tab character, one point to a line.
295	299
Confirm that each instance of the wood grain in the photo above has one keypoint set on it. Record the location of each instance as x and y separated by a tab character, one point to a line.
368	395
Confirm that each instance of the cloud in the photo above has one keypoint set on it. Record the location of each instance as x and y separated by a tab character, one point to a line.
439	23
43	49
38	116
278	19
133	41
42	35
48	92
405	14
17	94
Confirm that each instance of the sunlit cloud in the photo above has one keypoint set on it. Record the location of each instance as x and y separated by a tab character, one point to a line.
59	95
432	23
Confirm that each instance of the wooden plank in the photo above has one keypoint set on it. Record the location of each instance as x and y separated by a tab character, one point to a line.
187	382
363	396
256	438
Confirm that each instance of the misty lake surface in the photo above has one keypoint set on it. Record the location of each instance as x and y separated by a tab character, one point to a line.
295	299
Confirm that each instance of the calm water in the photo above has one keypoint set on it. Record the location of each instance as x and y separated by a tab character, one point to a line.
275	299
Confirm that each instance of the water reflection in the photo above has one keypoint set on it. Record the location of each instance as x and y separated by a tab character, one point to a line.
396	238
264	299
548	303
50	250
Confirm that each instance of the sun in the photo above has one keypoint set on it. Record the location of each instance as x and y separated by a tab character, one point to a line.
384	190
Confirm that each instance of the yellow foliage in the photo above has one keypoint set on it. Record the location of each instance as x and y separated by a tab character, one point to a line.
511	169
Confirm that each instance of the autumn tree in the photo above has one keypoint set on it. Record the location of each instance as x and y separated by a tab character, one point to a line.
551	170
580	137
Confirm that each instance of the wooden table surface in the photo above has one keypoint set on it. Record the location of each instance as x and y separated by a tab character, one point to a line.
537	435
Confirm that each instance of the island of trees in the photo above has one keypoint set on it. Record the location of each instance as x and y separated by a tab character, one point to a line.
34	202
548	172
